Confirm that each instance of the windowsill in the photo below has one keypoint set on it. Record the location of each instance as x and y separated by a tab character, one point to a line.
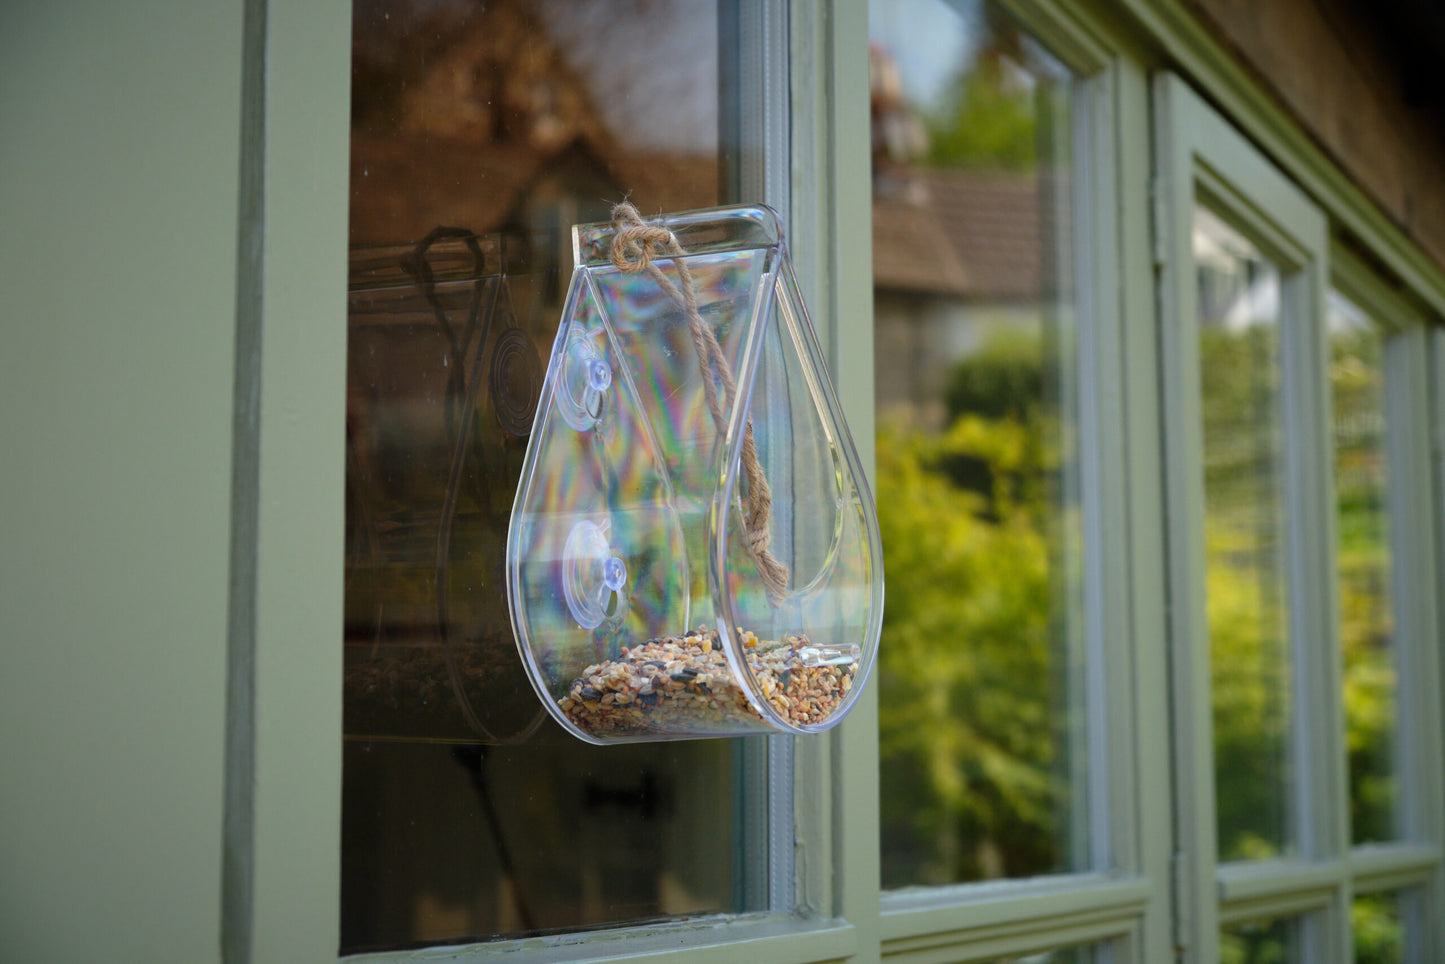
945	915
778	939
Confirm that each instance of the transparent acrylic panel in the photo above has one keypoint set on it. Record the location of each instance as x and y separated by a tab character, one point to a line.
1245	588
693	550
1357	382
1275	940
982	741
1379	923
480	134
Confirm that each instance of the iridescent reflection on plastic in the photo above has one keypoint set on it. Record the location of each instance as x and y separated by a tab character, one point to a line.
635	593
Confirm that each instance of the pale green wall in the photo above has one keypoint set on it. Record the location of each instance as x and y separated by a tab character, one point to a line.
119	154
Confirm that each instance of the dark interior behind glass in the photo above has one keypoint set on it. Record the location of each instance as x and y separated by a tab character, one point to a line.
480	133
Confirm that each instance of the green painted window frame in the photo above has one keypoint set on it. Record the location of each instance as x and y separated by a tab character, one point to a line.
1200	156
1415	861
1116	903
282	854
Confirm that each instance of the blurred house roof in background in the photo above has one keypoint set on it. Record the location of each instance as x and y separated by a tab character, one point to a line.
958	233
469	114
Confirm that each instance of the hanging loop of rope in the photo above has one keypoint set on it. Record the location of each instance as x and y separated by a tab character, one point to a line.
635	247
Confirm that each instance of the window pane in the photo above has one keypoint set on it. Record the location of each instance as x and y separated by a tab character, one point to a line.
1272	941
1379	925
1366	615
978	475
1092	954
480	133
1239	292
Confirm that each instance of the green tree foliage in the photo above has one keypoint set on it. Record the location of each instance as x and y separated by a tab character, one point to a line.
1366	621
969	728
1379	932
972	716
1006	380
1250	685
1260	942
988	121
1245	589
988	118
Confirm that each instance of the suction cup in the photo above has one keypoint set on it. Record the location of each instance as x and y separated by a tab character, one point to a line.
591	575
585	378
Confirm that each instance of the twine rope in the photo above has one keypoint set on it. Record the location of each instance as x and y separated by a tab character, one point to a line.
635	246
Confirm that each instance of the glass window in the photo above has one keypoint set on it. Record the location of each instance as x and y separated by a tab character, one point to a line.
480	134
1366	608
1239	338
1067	955
1379	926
1275	940
980	672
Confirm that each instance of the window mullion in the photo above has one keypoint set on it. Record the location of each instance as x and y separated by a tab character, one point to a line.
1142	775
1196	914
1391	866
836	802
760	159
1418	662
1417	541
1314	599
292	798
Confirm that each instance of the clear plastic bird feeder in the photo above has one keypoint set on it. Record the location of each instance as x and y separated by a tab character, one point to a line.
693	549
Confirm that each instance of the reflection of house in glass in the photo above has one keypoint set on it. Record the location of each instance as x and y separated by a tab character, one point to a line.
487	120
504	124
1237	287
977	475
956	261
506	128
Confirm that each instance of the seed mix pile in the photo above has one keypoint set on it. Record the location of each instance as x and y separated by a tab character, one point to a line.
678	684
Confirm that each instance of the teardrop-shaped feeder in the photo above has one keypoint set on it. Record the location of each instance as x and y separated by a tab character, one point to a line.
693	550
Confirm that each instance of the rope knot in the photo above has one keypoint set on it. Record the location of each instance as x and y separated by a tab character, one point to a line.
635	242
